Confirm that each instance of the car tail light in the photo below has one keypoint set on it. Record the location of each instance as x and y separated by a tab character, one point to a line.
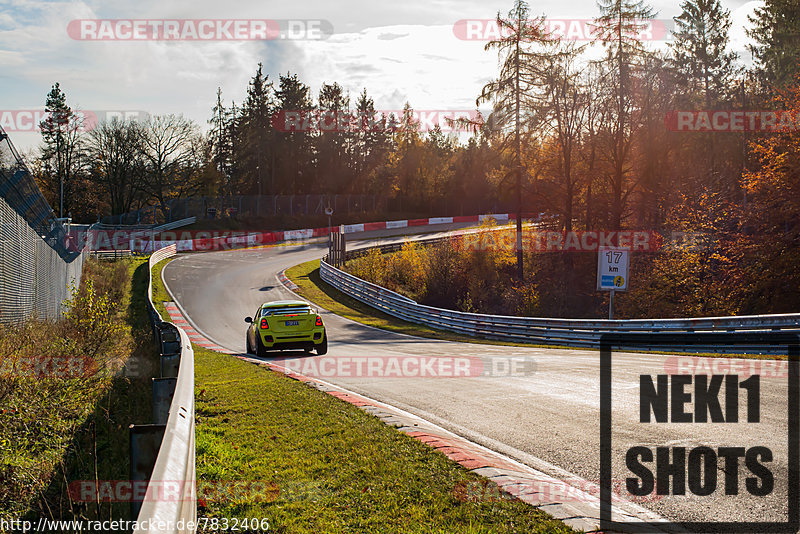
264	324
319	321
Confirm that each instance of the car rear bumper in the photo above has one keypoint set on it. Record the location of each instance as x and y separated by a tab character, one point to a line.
294	341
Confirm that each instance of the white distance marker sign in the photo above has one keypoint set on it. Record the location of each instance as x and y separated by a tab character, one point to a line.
612	269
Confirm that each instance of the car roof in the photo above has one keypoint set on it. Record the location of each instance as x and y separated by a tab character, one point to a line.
285	303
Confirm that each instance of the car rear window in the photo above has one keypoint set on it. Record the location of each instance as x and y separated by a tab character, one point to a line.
285	311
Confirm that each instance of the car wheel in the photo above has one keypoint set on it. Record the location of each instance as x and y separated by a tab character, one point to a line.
247	342
322	348
261	350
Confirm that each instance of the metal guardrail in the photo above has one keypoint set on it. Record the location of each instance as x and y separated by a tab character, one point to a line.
111	255
164	453
175	224
561	332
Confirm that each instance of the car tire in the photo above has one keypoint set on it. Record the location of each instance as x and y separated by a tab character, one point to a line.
261	350
322	348
249	349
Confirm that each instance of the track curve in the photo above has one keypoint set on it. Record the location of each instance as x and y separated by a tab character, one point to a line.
546	416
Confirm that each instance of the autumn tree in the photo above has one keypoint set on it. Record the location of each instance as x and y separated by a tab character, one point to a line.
561	112
619	28
116	162
172	158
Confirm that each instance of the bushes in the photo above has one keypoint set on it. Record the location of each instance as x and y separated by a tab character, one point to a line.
51	377
448	275
725	274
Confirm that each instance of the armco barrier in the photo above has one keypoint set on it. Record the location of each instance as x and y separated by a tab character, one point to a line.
561	332
175	460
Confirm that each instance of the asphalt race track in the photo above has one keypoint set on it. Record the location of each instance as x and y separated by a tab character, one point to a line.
546	415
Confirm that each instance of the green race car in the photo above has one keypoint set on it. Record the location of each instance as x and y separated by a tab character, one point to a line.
286	324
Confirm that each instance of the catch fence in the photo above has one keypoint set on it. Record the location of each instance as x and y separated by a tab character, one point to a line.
37	264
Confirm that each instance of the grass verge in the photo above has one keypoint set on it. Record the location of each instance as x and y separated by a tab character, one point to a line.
63	423
307	463
160	294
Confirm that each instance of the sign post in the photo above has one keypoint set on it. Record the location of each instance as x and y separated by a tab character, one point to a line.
611	305
329	212
612	272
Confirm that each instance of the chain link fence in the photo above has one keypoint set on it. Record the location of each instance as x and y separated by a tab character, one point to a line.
37	268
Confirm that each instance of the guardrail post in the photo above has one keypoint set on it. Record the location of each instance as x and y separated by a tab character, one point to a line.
170	342
163	391
169	365
145	440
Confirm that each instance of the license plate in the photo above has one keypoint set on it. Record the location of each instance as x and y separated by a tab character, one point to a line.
292	323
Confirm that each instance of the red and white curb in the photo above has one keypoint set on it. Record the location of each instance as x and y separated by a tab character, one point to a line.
286	282
195	337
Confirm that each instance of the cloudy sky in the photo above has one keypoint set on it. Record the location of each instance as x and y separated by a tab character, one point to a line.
400	51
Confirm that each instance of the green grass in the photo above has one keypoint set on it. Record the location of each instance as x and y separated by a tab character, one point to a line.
323	465
160	294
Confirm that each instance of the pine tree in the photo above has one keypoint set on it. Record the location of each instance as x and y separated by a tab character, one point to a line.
294	155
61	150
776	30
333	143
256	133
372	142
699	52
220	141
